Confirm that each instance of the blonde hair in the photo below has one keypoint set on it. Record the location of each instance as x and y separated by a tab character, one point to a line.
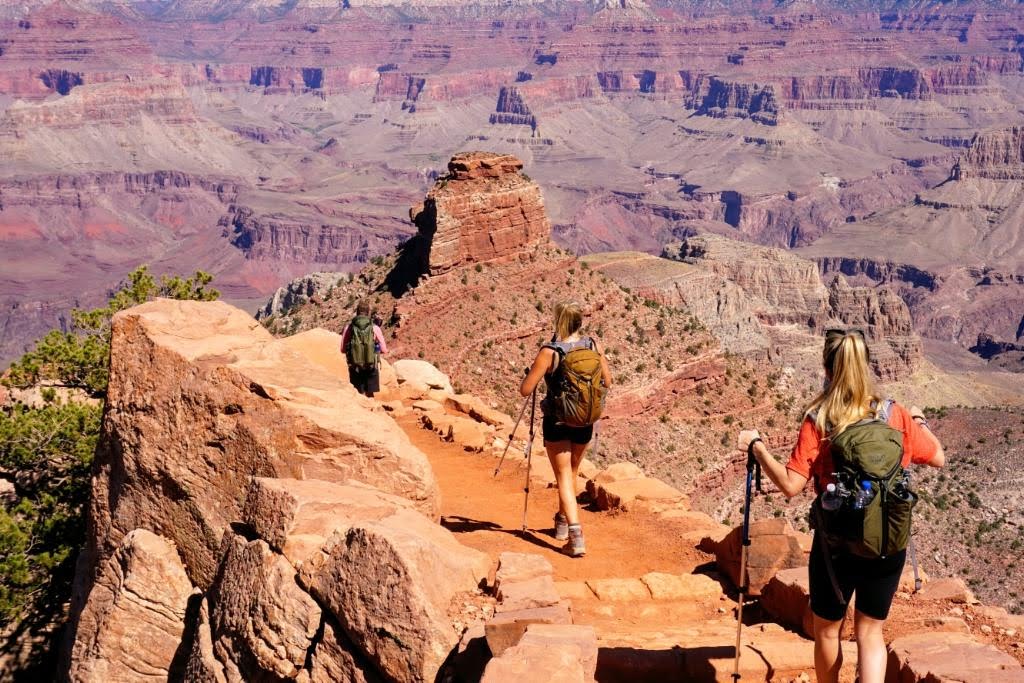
851	391
568	319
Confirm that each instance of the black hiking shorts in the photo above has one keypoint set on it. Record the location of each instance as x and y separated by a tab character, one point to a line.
874	581
554	432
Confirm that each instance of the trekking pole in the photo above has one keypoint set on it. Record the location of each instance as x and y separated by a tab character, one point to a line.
522	411
529	452
753	473
913	551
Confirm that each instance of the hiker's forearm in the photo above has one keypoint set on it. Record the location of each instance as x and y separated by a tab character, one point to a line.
788	481
939	459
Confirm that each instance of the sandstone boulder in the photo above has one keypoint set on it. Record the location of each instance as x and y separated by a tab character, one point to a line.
472	406
647	492
252	405
336	660
421	376
391	584
774	545
261	623
295	517
952	589
787	597
135	614
949	657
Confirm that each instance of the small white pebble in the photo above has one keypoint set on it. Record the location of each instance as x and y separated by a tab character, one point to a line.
985	628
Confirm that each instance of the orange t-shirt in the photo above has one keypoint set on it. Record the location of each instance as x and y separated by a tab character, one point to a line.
811	458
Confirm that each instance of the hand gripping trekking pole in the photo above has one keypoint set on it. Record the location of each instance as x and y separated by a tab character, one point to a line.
529	452
753	474
522	411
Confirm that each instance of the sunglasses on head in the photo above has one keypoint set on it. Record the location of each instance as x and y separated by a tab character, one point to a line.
839	332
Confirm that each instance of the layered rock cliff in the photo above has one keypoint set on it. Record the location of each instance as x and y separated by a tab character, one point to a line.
484	210
779	289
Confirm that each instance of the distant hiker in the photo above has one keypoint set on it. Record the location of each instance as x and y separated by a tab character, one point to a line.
577	378
362	342
855	445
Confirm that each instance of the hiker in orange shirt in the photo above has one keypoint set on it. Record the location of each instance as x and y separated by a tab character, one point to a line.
850	399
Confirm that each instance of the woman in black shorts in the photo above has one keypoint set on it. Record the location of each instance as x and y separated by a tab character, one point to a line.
565	445
849	396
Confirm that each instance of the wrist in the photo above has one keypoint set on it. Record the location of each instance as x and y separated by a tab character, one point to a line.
919	419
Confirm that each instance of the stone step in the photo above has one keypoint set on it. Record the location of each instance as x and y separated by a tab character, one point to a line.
704	651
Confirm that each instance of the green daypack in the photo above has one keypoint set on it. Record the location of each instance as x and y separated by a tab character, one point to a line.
362	350
872	451
578	392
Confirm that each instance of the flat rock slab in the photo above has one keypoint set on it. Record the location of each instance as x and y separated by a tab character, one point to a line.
949	657
630	492
691	587
619	590
505	629
513	567
518	595
547	654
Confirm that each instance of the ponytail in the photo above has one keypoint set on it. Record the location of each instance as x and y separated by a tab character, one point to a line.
849	395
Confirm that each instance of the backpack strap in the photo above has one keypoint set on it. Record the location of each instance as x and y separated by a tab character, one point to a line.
884	409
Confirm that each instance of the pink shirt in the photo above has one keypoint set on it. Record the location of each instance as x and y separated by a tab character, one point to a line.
378	337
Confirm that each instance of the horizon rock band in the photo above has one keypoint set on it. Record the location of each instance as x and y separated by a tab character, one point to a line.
853	443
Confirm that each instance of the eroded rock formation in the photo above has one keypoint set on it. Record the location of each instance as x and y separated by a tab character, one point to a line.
484	210
248	459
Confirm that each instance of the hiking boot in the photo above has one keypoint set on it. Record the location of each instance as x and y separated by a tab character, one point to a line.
575	546
561	527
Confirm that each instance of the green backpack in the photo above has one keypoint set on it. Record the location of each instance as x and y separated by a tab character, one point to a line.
578	391
362	349
871	452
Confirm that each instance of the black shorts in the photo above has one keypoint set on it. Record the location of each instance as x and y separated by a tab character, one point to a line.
874	581
555	432
365	380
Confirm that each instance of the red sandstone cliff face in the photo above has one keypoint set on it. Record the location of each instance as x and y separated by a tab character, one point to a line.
485	210
994	154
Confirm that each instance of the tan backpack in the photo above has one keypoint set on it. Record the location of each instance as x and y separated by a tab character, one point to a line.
578	391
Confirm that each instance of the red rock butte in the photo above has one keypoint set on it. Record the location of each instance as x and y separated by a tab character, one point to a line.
485	210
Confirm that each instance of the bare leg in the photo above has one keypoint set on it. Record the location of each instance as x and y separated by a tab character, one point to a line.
561	462
577	457
871	654
828	656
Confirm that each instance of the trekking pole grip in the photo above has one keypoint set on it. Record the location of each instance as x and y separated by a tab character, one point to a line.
753	464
